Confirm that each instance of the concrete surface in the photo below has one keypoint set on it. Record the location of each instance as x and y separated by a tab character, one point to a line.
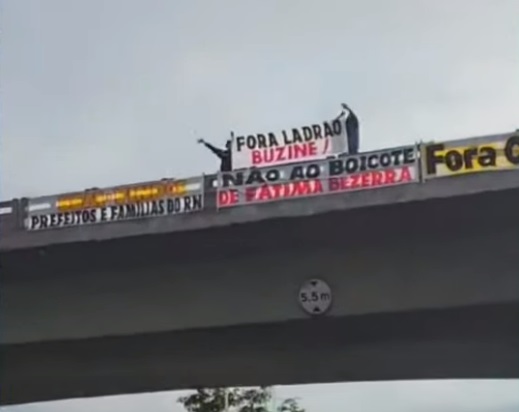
477	342
103	320
410	257
16	238
424	278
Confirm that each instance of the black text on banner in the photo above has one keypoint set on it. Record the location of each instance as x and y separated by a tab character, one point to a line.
459	158
359	172
120	204
288	146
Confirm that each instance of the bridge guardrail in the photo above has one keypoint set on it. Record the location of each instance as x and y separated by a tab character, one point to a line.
429	161
11	215
6	208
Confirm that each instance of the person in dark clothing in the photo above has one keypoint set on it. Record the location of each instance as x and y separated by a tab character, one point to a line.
223	154
352	130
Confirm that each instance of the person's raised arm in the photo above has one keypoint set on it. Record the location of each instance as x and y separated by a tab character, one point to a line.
348	108
218	152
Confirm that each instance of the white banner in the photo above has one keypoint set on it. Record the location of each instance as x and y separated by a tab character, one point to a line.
363	171
166	197
301	144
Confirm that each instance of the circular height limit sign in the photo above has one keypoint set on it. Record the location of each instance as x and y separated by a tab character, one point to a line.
315	296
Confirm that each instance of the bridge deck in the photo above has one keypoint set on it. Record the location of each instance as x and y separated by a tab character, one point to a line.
17	238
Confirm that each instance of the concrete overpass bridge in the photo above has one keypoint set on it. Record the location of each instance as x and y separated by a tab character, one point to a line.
424	279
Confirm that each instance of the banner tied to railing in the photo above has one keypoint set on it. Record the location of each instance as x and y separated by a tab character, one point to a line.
344	174
485	154
138	201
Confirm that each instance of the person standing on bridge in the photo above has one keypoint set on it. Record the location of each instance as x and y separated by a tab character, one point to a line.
224	154
352	129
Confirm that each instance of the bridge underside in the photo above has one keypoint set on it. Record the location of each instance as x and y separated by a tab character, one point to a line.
478	341
471	342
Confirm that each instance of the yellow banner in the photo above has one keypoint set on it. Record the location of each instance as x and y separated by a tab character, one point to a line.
121	195
439	160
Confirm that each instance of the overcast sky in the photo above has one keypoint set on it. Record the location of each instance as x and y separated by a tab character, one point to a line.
102	92
426	396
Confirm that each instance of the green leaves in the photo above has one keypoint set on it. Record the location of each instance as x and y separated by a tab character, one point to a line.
236	400
290	405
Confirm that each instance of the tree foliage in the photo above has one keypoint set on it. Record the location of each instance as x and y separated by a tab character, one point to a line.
238	400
